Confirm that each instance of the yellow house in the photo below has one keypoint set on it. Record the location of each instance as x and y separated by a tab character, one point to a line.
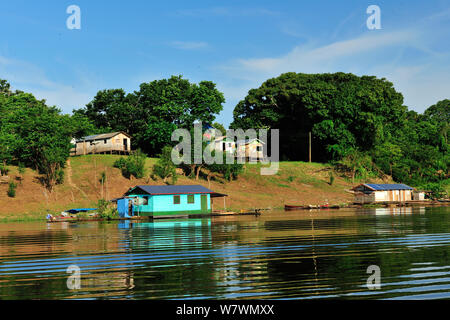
114	142
250	149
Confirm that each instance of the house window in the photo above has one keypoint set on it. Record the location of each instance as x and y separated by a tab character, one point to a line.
104	141
145	202
258	148
190	198
176	199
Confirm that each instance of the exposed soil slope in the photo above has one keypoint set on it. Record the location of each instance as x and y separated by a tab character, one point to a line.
295	183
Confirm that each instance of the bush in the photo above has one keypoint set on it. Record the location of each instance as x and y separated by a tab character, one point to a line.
105	210
165	168
4	170
12	189
60	176
331	178
437	190
133	165
229	171
102	179
21	168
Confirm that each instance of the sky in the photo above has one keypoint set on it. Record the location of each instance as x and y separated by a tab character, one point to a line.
236	44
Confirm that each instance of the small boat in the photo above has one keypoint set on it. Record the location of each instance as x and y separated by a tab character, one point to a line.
291	207
75	211
309	207
255	212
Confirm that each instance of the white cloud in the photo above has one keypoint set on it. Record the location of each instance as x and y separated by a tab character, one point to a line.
306	59
423	81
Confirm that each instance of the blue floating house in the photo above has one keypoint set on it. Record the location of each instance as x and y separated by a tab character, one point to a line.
166	201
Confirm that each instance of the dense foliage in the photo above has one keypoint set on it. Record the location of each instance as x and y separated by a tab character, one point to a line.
356	122
133	165
36	135
164	167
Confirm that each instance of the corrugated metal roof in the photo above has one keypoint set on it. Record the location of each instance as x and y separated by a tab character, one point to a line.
172	189
101	136
389	186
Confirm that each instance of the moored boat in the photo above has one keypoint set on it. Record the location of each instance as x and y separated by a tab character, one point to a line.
309	207
292	207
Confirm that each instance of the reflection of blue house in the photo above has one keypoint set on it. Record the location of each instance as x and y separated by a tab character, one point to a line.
157	201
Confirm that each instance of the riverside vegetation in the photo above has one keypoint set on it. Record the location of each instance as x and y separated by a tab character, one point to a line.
361	131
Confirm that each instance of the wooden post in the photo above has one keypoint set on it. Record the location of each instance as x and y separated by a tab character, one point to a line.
310	146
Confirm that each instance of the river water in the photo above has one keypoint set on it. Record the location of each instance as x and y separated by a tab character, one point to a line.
278	255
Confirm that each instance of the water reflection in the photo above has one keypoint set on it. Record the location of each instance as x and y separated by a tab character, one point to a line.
280	255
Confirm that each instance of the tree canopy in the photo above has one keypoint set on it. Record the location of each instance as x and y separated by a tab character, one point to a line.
351	118
341	110
35	134
150	114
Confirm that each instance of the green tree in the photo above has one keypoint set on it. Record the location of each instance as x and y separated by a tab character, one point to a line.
165	168
35	134
220	127
132	165
343	112
160	105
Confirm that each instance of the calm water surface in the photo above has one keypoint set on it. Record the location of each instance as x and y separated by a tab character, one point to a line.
279	255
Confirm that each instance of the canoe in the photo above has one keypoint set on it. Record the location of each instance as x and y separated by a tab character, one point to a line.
291	207
323	206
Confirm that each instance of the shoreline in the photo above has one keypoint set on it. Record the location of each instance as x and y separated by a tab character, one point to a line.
253	212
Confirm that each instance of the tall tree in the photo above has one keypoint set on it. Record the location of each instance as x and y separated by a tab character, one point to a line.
343	112
157	106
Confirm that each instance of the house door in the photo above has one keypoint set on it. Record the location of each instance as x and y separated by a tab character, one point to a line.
125	145
204	202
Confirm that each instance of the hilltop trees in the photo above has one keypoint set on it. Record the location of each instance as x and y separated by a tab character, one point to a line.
359	122
155	110
35	134
343	112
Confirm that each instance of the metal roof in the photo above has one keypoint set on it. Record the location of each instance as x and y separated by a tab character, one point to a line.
388	186
171	189
101	136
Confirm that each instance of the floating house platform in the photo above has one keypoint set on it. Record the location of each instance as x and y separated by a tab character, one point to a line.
379	193
167	201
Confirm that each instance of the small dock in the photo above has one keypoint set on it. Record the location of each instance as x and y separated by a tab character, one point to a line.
74	218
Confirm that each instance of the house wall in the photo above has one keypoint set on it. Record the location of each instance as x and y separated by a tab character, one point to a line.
364	198
250	150
383	196
218	145
112	144
419	196
163	205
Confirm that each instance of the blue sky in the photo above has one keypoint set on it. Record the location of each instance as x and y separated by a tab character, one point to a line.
236	44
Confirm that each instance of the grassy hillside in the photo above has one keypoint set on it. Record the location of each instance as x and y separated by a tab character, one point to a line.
295	183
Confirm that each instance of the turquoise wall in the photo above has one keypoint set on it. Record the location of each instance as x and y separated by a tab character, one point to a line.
164	203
